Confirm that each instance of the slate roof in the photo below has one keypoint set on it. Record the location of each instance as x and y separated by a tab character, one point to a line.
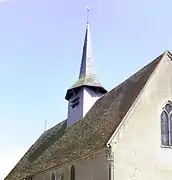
85	81
62	144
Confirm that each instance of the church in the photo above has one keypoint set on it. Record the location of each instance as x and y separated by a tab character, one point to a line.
123	134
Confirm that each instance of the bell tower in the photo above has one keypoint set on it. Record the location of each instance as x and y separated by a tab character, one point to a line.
87	89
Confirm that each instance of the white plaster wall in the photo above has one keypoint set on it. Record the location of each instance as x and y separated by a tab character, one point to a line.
76	113
89	98
137	142
95	168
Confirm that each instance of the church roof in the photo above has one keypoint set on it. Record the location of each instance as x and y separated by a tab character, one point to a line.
62	144
87	75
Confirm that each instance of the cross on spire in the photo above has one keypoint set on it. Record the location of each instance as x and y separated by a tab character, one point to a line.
88	10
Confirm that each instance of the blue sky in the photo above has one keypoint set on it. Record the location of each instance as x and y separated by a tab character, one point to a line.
40	52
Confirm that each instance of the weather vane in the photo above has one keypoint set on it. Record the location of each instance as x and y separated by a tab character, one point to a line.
88	10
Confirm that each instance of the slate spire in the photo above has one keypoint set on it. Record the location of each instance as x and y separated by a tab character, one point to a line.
87	76
87	65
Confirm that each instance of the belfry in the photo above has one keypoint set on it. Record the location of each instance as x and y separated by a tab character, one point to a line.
87	89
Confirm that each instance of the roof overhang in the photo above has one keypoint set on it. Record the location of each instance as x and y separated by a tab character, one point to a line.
72	91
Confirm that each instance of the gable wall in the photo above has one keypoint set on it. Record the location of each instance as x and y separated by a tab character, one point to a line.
136	144
89	168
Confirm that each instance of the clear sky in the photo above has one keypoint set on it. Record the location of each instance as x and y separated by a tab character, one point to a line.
40	52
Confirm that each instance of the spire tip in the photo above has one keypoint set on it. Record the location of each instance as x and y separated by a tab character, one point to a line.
88	10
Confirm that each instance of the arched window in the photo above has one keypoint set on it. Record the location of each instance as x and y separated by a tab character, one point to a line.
166	125
170	129
53	176
164	129
72	173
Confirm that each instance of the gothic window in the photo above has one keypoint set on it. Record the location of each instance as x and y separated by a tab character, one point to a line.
166	125
170	129
164	129
53	176
72	173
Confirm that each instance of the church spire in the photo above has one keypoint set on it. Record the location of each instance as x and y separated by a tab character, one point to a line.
87	65
87	76
87	89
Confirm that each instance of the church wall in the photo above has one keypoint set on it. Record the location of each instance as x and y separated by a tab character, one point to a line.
88	168
90	97
136	145
76	113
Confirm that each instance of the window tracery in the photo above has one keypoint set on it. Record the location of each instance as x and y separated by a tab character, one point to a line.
166	125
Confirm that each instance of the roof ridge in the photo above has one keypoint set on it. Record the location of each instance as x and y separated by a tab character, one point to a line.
168	53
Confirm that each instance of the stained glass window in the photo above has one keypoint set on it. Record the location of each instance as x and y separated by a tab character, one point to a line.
170	130
164	129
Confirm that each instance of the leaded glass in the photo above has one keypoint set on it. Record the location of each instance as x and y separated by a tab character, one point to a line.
170	130
168	107
164	129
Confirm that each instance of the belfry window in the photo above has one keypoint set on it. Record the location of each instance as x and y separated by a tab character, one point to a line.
166	125
75	102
